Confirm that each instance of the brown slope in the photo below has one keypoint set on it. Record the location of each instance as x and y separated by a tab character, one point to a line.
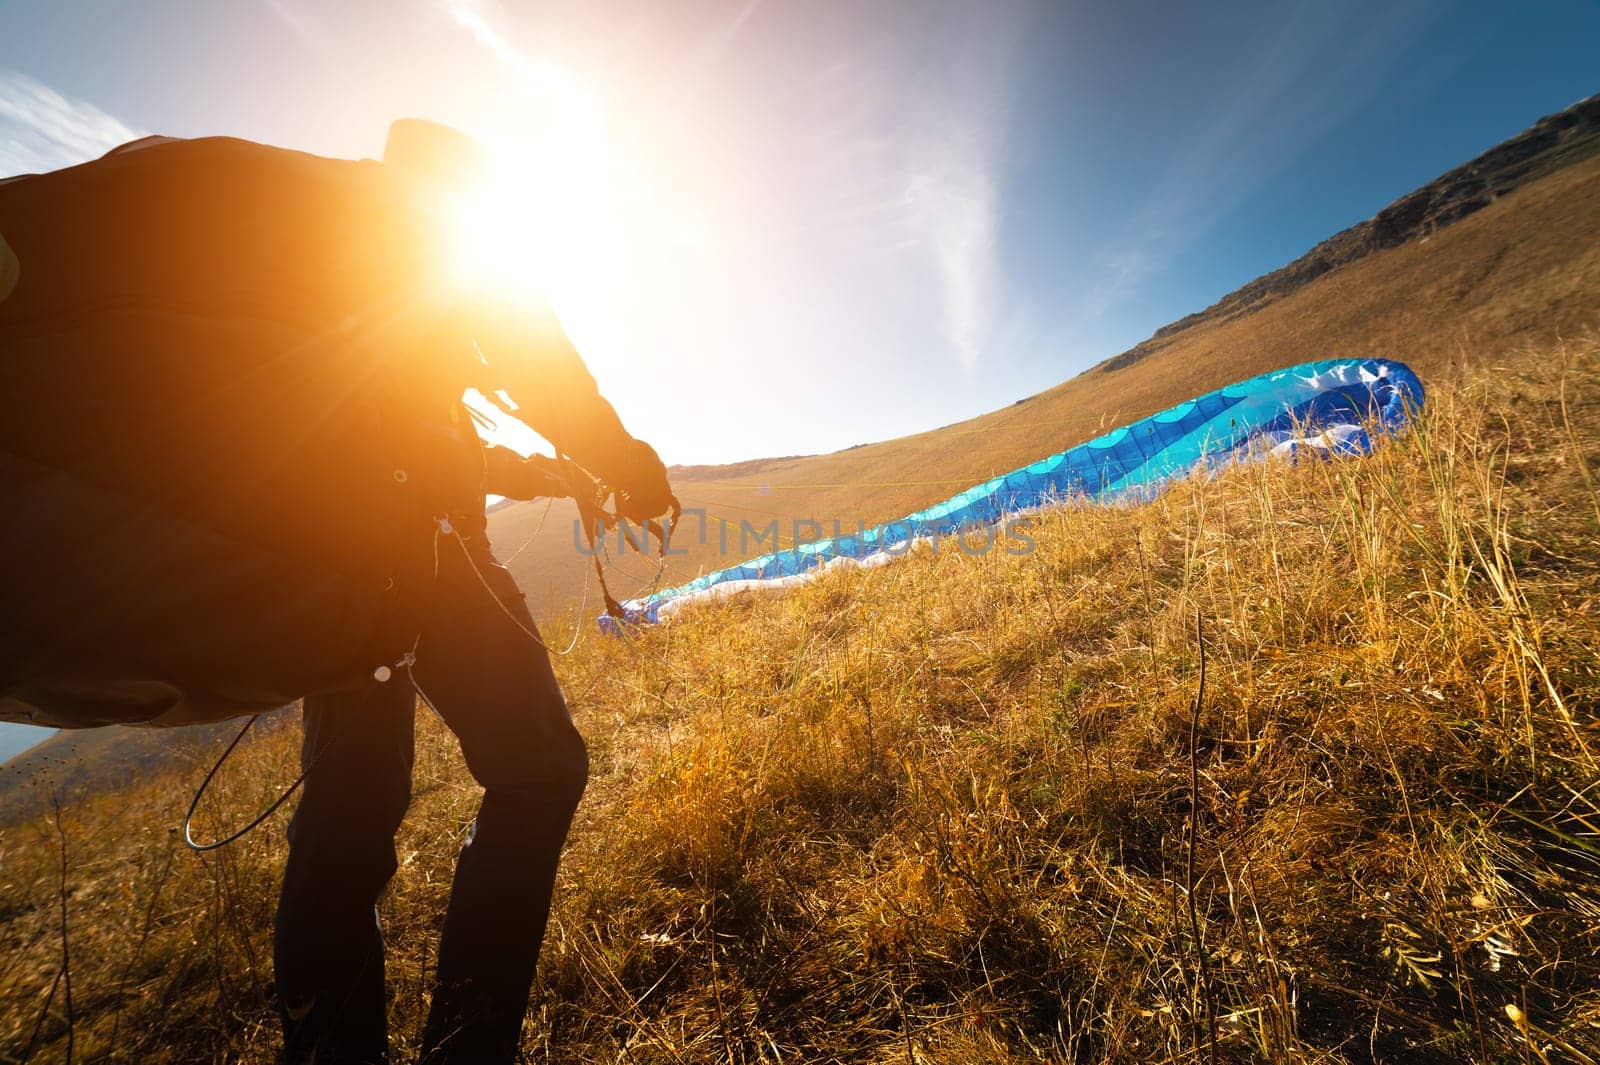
1522	268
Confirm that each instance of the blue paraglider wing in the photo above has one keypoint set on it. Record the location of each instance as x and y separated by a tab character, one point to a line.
1332	407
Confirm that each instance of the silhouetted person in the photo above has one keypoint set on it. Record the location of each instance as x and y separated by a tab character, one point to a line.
238	470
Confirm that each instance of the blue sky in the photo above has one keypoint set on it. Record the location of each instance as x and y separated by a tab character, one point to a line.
844	222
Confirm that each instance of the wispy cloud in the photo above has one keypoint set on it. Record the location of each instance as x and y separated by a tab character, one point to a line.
909	146
40	129
953	198
1125	268
954	185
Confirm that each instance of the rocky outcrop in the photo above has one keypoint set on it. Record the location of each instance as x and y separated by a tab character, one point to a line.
1551	143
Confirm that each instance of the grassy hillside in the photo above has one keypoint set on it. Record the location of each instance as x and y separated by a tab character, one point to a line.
1524	268
1299	764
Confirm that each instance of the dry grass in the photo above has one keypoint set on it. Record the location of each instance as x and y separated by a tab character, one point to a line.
941	811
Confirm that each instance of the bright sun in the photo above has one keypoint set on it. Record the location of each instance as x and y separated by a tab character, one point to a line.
507	237
581	215
563	215
559	216
552	193
538	215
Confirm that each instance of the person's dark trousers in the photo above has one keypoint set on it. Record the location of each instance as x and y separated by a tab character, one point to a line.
492	684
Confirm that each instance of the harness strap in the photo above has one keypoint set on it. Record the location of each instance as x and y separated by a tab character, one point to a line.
613	608
596	513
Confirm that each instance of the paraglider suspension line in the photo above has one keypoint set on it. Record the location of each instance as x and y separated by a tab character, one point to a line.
194	804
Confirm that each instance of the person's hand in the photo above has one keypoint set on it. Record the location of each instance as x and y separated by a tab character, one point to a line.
644	492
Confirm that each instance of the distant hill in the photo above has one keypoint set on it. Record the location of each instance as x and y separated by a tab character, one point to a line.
71	762
1499	253
14	739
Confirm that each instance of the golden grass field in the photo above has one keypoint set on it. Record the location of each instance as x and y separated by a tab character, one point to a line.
977	809
963	808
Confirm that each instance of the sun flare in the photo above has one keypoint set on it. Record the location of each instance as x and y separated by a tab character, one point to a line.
506	236
591	207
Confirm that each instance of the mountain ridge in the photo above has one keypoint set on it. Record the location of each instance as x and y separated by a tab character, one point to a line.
1556	140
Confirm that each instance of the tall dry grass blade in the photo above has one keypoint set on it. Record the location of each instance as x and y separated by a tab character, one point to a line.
1190	886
